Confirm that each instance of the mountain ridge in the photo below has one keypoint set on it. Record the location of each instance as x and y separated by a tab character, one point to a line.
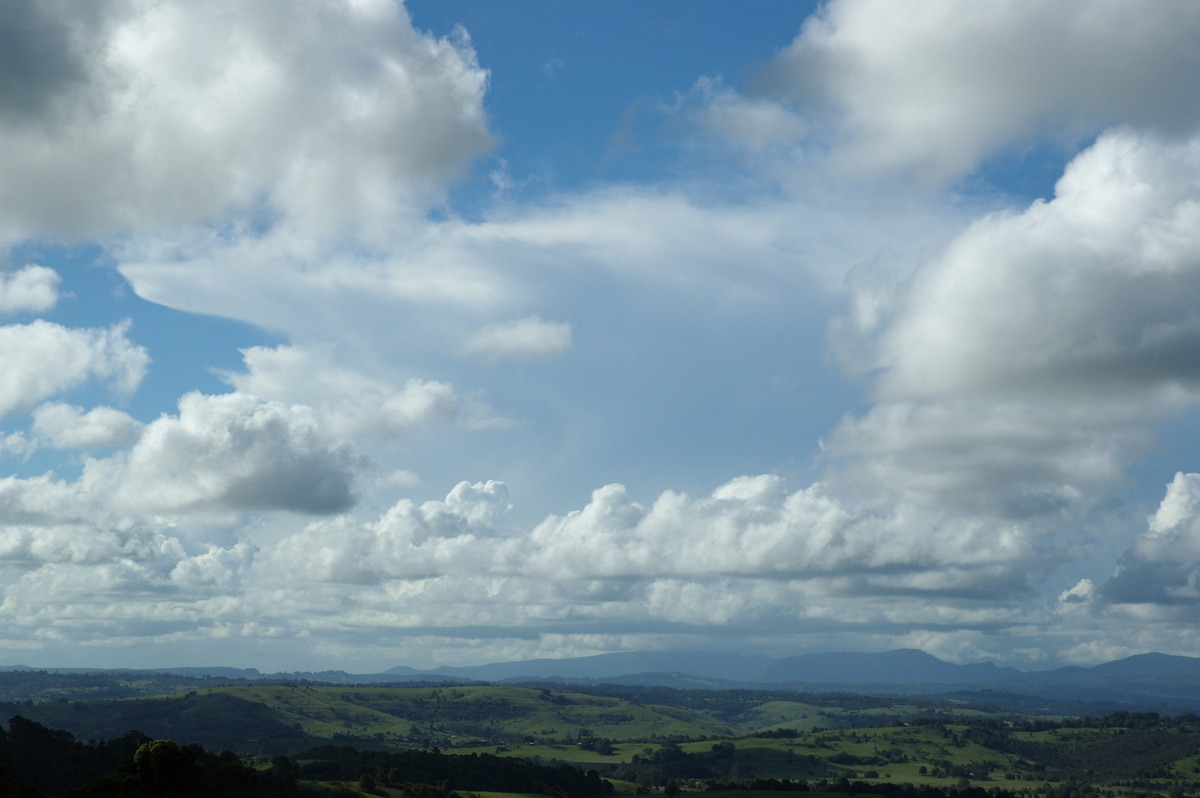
1151	676
1150	679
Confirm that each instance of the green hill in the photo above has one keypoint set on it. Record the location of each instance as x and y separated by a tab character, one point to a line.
281	718
732	738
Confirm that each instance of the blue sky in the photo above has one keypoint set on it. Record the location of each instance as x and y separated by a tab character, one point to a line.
347	334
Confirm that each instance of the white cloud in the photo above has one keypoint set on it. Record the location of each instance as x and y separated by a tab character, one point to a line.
1081	594
65	426
334	114
67	555
216	569
933	89
754	123
1015	371
42	500
528	337
408	541
229	452
42	359
84	543
1020	371
15	444
1179	505
1160	573
70	576
30	289
350	404
752	527
1016	300
441	282
749	552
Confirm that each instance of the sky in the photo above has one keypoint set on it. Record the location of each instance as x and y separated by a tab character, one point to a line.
346	334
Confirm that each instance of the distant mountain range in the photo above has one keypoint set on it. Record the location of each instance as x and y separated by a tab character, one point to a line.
672	666
1144	680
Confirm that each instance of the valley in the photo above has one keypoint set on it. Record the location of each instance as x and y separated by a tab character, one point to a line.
647	739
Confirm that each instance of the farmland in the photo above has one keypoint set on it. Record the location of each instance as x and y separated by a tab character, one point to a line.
647	739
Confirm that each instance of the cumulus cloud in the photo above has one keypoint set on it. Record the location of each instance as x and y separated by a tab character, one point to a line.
1022	369
753	527
63	575
528	337
751	552
41	500
30	289
214	570
331	113
933	90
230	452
16	444
42	359
1161	570
1080	595
350	404
83	543
1019	372
65	426
410	540
66	553
1017	297
1014	366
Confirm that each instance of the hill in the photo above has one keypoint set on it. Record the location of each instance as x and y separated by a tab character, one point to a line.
772	741
1158	682
285	718
901	667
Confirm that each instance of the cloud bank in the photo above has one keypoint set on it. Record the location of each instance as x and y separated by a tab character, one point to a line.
583	420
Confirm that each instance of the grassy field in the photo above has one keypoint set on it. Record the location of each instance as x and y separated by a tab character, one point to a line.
459	715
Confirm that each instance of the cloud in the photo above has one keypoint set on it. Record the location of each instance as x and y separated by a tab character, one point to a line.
216	570
931	91
753	528
756	124
528	337
438	281
62	573
42	500
42	359
411	542
66	554
1016	374
349	404
749	553
84	543
30	289
1022	369
1161	570
230	452
1012	363
16	444
42	62
332	114
1016	299
65	426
